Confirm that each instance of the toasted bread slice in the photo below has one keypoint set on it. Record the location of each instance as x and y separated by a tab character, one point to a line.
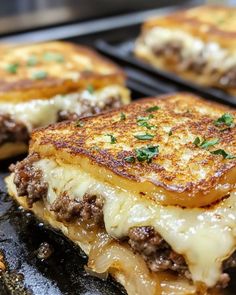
158	173
46	69
49	82
196	43
180	173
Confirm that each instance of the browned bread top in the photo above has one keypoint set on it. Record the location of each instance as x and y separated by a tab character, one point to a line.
46	69
210	23
176	149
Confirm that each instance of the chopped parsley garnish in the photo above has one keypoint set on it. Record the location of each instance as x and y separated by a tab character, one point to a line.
197	141
205	143
32	61
130	159
146	136
144	154
113	139
143	122
90	89
139	119
40	75
208	143
223	153
226	119
122	116
53	56
79	123
152	109
147	153
170	132
12	68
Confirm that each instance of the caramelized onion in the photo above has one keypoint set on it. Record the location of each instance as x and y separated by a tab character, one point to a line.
109	255
174	285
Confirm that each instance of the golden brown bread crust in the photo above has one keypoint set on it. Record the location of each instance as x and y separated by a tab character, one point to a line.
68	68
10	149
210	24
181	174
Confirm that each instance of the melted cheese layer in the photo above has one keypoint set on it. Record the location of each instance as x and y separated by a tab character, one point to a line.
216	57
205	237
42	112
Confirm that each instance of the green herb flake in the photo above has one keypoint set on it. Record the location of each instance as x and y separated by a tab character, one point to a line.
205	144
152	109
147	153
40	75
90	89
208	143
122	116
113	139
140	118
223	153
146	136
79	123
53	56
197	141
12	68
226	119
143	122
170	132
130	159
32	61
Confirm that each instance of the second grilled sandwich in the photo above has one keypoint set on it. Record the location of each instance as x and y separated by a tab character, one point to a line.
49	82
198	44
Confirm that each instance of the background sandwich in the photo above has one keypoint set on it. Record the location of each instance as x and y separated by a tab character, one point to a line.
198	44
147	191
49	82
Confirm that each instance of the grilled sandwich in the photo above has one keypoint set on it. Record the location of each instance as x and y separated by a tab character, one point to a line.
198	44
44	83
147	191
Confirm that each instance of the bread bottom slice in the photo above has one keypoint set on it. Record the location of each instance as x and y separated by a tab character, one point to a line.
109	256
11	149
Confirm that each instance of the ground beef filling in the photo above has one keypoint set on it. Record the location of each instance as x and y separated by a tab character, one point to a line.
155	251
12	130
29	183
88	109
159	256
89	208
172	51
28	180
